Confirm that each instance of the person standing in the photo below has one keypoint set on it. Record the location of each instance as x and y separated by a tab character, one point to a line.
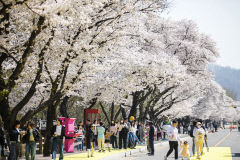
113	138
140	132
199	134
173	140
89	138
151	138
166	124
30	138
193	126
15	138
125	131
107	139
120	131
101	137
58	133
80	139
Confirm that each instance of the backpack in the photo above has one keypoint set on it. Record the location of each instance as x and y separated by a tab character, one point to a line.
36	135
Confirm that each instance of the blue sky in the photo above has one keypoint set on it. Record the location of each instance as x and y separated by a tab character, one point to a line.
220	19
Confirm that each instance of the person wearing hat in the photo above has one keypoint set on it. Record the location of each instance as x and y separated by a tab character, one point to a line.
199	134
151	138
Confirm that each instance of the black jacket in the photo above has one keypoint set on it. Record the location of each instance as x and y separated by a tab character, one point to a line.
89	133
36	136
14	134
63	132
151	133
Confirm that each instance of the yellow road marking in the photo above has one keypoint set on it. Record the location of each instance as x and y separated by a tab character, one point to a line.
216	153
97	155
222	140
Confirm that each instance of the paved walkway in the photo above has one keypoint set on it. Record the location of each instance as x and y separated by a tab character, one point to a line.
106	155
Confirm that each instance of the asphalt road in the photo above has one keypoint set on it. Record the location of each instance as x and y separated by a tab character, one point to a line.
223	143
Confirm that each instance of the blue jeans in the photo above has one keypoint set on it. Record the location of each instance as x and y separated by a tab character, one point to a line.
30	148
80	145
57	143
14	151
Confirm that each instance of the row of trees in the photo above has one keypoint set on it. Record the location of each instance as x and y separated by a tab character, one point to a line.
115	54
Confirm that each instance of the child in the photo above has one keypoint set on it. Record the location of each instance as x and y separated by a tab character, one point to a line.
185	150
107	139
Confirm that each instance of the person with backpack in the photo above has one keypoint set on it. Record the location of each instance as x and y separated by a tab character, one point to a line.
30	138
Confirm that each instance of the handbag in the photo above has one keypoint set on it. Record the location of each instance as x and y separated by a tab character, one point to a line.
6	152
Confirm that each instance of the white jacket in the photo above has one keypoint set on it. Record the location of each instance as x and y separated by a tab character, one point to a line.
199	134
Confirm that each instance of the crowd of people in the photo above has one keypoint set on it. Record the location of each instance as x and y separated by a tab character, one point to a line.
119	135
95	135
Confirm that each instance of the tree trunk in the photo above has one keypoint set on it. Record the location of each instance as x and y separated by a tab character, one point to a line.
4	112
105	113
112	111
51	115
124	115
63	107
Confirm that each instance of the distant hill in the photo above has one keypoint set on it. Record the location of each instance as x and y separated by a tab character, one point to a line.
228	78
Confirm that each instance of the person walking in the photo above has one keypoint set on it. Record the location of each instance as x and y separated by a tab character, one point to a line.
30	138
174	138
101	137
58	133
185	150
199	134
113	138
15	135
151	138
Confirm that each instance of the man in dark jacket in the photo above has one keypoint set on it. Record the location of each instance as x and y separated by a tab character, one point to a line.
15	137
58	133
30	138
194	123
151	137
89	138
